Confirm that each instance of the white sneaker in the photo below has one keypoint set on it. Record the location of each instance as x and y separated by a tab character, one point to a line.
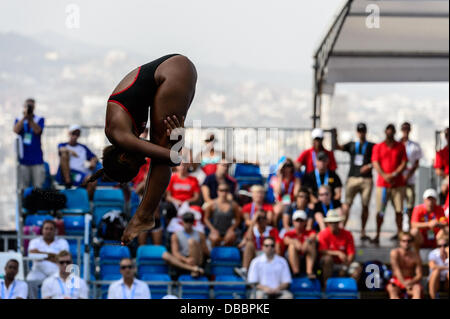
242	272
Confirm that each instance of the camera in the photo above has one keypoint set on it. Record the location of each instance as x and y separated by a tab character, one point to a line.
29	109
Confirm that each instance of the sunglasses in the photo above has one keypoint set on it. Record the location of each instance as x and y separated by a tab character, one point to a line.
223	189
407	240
324	194
270	245
443	245
302	196
127	267
65	262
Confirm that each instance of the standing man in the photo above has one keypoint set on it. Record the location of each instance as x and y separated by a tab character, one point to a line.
128	287
414	153
441	166
29	128
360	180
389	159
10	288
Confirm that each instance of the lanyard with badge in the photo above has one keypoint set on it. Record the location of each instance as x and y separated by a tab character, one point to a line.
63	291
319	182
286	199
28	135
325	209
359	153
133	291
430	232
252	210
11	291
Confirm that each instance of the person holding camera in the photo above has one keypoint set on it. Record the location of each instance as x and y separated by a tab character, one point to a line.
31	161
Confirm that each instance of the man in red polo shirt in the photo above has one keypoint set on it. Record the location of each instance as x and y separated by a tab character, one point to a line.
257	204
308	157
427	221
337	249
441	165
389	159
182	187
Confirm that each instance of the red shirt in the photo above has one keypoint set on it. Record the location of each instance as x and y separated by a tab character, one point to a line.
183	189
250	208
258	238
343	241
209	169
294	235
306	158
420	215
442	158
390	159
142	173
287	187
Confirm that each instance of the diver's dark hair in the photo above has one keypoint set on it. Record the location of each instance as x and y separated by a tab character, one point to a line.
113	168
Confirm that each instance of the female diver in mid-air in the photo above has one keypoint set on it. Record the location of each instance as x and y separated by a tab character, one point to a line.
167	86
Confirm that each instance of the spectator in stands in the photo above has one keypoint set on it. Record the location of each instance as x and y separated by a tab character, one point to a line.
337	249
140	180
29	128
441	165
389	160
47	244
414	154
211	183
209	158
427	221
326	203
189	245
406	270
128	287
253	240
438	265
323	176
360	179
301	203
222	218
257	204
308	157
285	185
10	287
73	158
64	284
301	245
182	187
270	273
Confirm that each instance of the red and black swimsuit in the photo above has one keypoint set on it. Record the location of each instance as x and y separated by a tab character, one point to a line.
136	98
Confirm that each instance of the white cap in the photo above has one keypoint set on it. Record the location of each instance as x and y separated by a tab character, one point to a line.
333	216
299	214
170	297
74	127
430	193
317	133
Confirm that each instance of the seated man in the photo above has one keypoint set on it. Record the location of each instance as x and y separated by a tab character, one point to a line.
47	244
323	176
189	246
182	187
325	204
252	243
257	204
301	203
270	273
211	183
128	287
10	287
64	284
438	265
301	245
337	249
427	221
406	270
73	157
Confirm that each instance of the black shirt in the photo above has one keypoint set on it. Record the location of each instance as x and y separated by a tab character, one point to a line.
367	158
309	181
324	209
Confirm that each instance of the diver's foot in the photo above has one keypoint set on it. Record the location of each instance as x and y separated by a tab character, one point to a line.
135	227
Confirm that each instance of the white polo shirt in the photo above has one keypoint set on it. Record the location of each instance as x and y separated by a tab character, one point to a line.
138	290
58	245
17	289
414	153
73	287
269	273
435	255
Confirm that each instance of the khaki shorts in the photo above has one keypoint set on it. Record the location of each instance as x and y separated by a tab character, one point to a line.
396	195
410	196
358	185
31	174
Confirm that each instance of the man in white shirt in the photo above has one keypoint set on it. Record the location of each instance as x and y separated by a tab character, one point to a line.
65	284
270	273
414	154
438	264
10	288
128	287
46	244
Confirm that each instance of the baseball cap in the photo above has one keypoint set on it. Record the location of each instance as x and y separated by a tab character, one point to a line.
430	193
74	127
322	156
317	133
361	127
188	217
299	214
333	216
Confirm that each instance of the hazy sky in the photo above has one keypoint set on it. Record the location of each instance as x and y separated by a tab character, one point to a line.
262	34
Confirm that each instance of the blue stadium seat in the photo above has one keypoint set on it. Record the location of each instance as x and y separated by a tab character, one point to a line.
157	291
304	288
109	197
104	288
342	288
99	211
230	292
74	225
248	174
110	257
149	260
224	260
48	177
194	292
36	220
77	201
73	248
